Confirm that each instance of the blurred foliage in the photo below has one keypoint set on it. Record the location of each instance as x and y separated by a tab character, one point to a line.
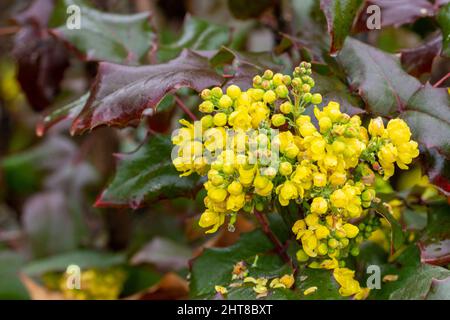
122	82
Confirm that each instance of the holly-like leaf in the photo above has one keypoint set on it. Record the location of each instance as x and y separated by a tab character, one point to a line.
69	112
377	77
104	36
427	113
443	19
196	35
146	175
414	282
215	265
417	61
340	15
121	93
440	290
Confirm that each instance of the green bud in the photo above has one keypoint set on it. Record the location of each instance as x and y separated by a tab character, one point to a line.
322	249
257	80
354	251
207	121
282	91
333	243
306	88
268	74
307	97
316	98
259	206
286	80
344	242
361	226
342	264
278	120
216	92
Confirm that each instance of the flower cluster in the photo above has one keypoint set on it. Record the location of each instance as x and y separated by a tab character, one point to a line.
277	155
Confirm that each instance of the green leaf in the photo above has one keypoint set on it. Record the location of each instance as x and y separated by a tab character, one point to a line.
196	35
340	15
397	234
377	77
104	36
443	18
327	287
11	288
413	283
146	175
121	93
82	258
215	265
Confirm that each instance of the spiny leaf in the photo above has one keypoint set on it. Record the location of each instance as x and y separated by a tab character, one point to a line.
104	36
121	93
378	77
146	175
417	61
340	15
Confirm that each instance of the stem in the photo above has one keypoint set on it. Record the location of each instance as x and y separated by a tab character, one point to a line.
437	84
185	108
272	237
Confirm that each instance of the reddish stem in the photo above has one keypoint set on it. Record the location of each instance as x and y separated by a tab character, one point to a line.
185	108
272	237
437	84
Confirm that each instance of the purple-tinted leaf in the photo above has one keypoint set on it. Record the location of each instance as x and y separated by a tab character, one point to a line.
440	290
340	15
41	59
377	77
121	93
395	12
417	61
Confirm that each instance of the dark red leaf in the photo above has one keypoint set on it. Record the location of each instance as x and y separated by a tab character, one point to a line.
121	93
419	60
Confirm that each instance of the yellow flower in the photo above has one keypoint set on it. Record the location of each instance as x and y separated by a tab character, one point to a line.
286	191
312	220
320	179
398	131
309	243
235	188
210	218
322	232
235	203
288	280
217	194
351	230
376	127
319	205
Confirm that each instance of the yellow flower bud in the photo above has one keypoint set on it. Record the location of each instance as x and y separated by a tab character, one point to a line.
225	102
351	230
235	188
220	119
302	256
233	91
278	120
320	179
285	168
322	232
319	205
269	96
206	107
286	107
217	194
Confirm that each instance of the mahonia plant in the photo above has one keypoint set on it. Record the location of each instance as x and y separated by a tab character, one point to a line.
258	149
